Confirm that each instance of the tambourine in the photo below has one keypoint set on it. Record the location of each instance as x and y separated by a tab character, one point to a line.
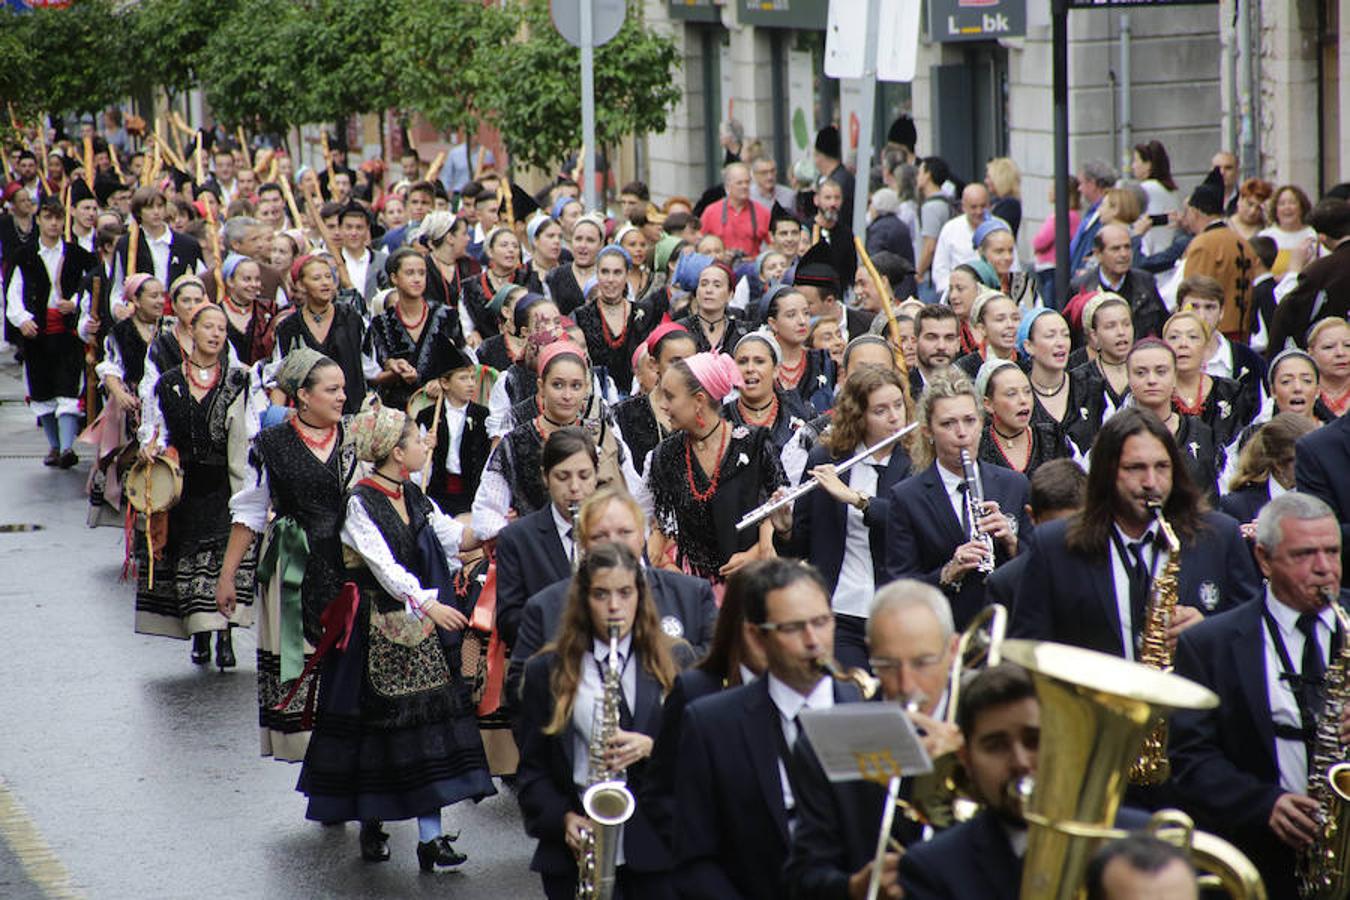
154	486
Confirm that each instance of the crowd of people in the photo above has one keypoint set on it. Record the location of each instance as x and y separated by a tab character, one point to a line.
460	452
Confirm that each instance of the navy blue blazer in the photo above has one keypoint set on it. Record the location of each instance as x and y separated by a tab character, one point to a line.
923	531
820	522
1070	598
1321	460
530	557
973	859
545	787
1001	585
685	605
731	828
1224	766
1243	505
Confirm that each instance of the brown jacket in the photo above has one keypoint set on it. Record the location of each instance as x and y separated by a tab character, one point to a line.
1224	255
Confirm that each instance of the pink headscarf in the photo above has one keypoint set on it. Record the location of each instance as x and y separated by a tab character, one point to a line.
134	283
716	373
558	348
665	328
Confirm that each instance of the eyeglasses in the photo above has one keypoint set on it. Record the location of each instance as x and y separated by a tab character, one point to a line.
886	666
798	626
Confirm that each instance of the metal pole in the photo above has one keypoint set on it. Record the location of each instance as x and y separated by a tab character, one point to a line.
588	99
867	114
1060	79
1126	90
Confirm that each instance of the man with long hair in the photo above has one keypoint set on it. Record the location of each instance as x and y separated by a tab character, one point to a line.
1089	580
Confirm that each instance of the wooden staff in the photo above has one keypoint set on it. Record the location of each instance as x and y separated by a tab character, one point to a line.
884	292
327	159
89	159
156	162
133	246
201	167
116	164
213	231
313	201
176	119
435	428
42	160
274	170
169	153
290	202
65	201
14	122
90	356
505	192
478	165
243	146
815	234
260	162
434	171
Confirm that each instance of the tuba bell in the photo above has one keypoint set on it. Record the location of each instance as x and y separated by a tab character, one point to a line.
1096	711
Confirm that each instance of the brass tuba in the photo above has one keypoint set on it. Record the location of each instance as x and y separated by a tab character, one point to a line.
1096	710
1152	766
1323	873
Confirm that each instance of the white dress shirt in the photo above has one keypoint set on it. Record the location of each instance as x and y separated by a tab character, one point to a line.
590	691
564	528
789	703
455	417
357	268
954	485
51	257
1290	755
853	592
1120	580
954	247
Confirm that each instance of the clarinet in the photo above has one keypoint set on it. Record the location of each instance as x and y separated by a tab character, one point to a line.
975	509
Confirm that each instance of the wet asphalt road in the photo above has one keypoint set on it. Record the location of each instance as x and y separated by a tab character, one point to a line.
126	772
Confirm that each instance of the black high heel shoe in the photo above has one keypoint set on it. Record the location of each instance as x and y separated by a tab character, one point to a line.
201	648
439	853
374	842
224	650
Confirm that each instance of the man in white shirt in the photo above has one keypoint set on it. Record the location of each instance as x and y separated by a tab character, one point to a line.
83	215
955	242
365	267
1245	769
158	251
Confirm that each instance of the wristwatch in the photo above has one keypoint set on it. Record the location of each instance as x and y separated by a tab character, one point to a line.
862	503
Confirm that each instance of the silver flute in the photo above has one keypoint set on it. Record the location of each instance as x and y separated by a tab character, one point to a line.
760	513
974	510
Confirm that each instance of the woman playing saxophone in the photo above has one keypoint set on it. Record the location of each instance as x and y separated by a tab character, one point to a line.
564	719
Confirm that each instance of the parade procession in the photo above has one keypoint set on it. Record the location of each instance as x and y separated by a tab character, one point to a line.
575	517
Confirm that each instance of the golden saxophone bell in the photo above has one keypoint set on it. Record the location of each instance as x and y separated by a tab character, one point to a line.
866	684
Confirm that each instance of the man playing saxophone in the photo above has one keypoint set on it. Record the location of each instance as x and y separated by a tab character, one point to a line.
1089	579
1251	769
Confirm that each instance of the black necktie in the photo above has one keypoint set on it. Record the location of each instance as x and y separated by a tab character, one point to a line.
625	712
1312	671
1139	582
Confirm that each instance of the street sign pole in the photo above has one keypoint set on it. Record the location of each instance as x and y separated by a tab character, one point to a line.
588	99
1059	14
862	181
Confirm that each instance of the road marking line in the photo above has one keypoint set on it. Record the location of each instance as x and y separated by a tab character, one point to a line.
43	866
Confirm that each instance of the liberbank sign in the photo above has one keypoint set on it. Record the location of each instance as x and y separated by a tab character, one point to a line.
976	20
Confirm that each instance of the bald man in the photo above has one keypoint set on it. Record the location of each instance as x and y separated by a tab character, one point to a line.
741	223
955	241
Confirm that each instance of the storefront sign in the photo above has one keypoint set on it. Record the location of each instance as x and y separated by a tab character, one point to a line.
976	20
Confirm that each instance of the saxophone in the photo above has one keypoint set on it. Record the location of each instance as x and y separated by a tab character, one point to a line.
1322	870
607	801
1152	766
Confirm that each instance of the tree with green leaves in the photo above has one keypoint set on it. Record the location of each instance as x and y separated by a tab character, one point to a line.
251	69
444	56
168	40
341	72
535	96
74	55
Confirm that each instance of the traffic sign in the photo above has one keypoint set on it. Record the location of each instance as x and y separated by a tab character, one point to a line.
897	40
606	20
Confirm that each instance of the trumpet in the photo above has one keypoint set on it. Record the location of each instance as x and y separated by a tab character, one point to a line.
762	512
